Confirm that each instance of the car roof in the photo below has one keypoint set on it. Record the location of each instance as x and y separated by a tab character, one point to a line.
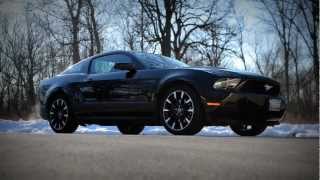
130	53
115	52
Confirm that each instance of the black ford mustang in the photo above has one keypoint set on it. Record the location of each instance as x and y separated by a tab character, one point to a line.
132	90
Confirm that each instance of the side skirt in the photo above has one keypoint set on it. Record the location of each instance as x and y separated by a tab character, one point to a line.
114	120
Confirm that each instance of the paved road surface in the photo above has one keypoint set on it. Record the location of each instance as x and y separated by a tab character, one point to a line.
82	156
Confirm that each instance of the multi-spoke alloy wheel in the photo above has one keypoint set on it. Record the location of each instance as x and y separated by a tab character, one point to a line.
60	117
180	111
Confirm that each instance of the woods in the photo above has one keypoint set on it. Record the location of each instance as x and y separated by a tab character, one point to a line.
48	36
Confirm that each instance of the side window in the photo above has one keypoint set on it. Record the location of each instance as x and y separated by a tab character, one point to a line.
105	64
101	66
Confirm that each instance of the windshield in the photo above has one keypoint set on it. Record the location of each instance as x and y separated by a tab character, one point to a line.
152	61
79	67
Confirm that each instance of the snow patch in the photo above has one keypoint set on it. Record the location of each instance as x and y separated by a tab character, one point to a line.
39	126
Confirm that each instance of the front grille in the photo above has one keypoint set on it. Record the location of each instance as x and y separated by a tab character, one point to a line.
260	87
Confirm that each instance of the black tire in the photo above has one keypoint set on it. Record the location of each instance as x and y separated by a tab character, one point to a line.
131	129
248	129
61	117
185	111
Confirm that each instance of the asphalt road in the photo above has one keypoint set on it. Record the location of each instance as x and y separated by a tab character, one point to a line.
81	156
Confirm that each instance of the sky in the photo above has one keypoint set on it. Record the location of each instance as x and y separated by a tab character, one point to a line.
244	8
253	27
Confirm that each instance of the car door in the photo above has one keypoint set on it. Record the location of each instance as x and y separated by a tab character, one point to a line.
109	91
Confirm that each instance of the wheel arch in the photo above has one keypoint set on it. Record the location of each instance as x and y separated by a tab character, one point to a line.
53	93
199	81
175	82
171	83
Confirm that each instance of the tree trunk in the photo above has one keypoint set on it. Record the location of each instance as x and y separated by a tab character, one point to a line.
315	13
91	36
296	65
9	99
297	80
177	53
169	6
94	27
142	29
91	49
2	99
75	41
31	92
165	43
75	20
286	68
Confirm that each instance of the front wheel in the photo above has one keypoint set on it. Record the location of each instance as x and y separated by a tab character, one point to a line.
180	111
60	116
248	129
131	129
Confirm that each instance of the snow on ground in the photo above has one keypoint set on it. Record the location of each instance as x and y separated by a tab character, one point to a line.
42	127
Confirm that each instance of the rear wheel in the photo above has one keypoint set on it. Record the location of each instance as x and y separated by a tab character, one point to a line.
60	116
180	111
248	129
133	129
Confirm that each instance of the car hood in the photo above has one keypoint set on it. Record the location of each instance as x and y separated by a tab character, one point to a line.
222	72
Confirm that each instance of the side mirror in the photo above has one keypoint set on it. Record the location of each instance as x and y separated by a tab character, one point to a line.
125	66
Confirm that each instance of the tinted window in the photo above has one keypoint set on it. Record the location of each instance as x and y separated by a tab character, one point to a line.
76	68
152	61
105	64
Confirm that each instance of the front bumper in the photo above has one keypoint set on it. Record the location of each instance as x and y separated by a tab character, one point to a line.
245	106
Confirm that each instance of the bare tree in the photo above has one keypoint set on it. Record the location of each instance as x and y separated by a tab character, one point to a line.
266	58
13	55
295	53
240	43
76	25
175	24
134	26
34	43
92	26
307	25
74	10
62	21
218	42
160	16
22	57
279	11
190	18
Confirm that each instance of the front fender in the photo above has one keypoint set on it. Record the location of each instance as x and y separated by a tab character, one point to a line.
57	90
201	81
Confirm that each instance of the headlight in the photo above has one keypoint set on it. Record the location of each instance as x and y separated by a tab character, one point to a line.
226	83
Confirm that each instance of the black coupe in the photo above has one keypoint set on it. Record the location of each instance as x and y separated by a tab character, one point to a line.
132	90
